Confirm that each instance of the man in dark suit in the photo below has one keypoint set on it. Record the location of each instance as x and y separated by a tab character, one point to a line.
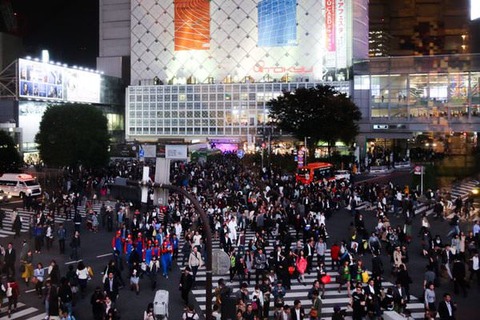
297	312
110	287
446	308
226	243
459	273
309	250
10	258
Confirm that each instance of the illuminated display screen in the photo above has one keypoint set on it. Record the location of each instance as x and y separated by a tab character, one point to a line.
38	80
192	25
474	9
277	23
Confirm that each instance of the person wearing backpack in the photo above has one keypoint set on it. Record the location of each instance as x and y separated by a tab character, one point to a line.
190	314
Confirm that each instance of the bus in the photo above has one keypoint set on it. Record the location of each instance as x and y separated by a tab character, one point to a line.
314	172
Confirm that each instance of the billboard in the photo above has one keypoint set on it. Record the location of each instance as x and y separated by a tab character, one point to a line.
263	40
277	23
474	9
45	81
192	25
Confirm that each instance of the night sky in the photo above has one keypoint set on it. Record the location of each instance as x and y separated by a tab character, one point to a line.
67	28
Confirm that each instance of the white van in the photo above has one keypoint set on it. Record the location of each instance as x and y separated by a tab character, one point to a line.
20	185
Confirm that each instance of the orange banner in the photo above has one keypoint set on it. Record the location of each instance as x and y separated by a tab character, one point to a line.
192	25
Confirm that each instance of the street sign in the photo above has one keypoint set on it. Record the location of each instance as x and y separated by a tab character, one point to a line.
240	153
141	153
220	262
418	170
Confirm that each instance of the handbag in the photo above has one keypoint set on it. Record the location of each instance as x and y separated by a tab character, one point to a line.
313	313
365	277
326	279
291	270
34	280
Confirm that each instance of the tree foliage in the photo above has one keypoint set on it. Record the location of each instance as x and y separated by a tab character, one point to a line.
321	113
72	135
10	159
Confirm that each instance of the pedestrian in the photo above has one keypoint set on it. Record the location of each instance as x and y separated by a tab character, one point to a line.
316	309
39	274
475	267
27	263
17	226
53	273
167	251
446	308
195	261
111	288
12	292
358	303
135	281
459	273
149	314
75	246
62	236
82	276
65	295
9	260
186	284
430	303
97	302
2	217
190	314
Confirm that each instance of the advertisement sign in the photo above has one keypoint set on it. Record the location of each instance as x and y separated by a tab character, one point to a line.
330	15
173	151
277	23
46	81
192	25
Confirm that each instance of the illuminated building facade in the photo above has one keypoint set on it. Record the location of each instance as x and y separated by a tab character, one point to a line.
219	62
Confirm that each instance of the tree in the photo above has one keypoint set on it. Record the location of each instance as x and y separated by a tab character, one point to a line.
72	135
320	113
10	159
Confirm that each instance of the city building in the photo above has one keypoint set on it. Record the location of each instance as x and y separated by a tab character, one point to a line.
202	71
418	27
28	86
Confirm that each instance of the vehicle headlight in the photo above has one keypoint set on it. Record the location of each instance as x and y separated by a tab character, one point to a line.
475	191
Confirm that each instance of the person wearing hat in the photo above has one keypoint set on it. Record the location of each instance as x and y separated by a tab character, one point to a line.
167	251
186	283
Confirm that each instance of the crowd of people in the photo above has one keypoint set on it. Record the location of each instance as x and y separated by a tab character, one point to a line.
289	217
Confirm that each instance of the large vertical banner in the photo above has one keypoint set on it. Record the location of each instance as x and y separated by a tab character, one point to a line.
192	25
330	15
277	23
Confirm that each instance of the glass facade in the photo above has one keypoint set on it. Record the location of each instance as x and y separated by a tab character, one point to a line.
204	110
417	89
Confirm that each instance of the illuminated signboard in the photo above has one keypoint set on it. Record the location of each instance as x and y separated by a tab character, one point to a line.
277	23
38	80
192	25
474	9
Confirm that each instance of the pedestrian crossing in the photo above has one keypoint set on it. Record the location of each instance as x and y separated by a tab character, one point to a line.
463	189
299	291
26	216
23	312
